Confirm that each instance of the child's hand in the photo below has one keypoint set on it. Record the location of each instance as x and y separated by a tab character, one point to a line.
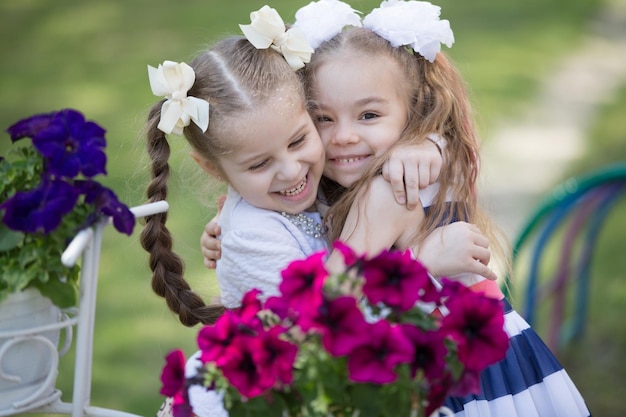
210	245
456	248
411	168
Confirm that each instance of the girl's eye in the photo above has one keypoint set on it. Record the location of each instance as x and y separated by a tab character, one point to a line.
297	142
368	116
259	166
322	119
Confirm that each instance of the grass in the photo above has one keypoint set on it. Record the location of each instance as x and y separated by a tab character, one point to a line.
93	55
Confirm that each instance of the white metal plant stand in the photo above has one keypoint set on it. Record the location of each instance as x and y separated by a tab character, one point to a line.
86	244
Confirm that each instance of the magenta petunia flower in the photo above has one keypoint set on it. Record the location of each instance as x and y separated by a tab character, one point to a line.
476	324
175	384
375	361
215	340
279	356
249	310
350	258
244	369
342	325
468	383
437	394
430	351
302	284
173	374
398	281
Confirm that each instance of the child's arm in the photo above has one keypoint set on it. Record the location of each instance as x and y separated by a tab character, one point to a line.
456	248
210	245
411	168
377	222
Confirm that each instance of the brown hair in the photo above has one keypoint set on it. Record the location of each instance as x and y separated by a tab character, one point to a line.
235	78
437	103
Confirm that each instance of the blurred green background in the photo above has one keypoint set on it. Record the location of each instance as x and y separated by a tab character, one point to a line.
92	56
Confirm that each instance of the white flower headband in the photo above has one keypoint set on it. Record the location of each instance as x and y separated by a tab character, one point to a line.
267	29
172	80
322	20
411	23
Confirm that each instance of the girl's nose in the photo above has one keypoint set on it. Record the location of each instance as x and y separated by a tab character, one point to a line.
344	134
290	170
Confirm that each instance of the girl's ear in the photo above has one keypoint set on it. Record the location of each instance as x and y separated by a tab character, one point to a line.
206	165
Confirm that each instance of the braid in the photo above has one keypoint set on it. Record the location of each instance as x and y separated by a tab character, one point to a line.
167	267
234	77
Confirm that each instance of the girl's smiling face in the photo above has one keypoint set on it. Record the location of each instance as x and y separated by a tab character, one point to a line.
278	157
359	111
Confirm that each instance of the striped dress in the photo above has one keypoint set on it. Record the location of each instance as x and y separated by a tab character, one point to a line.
528	382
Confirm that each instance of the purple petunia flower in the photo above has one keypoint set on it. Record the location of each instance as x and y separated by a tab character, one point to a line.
41	209
375	361
342	325
30	127
71	145
476	324
396	280
106	202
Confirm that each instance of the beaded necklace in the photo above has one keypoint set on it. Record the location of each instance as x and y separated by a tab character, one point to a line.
306	224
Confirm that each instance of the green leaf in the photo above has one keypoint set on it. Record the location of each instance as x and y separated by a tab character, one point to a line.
62	294
9	239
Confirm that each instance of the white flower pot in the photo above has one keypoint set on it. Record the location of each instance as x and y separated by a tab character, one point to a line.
28	350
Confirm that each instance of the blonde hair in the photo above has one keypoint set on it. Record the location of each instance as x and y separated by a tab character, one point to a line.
235	78
437	103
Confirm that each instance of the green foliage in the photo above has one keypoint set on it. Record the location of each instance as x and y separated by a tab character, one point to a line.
34	260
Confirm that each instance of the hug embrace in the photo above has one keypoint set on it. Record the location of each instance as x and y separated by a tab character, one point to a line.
345	127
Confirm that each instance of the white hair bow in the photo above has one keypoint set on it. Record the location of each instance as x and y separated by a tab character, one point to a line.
267	29
323	19
411	23
172	80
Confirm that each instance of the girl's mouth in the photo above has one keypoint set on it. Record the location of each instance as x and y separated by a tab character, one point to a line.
295	190
348	159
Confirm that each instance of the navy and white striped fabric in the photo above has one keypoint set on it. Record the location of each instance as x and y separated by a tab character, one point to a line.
528	382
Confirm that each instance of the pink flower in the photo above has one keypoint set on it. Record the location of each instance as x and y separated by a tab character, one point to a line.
342	325
468	383
175	384
173	374
437	393
302	284
250	307
395	279
350	258
476	324
243	368
279	355
375	361
215	340
430	351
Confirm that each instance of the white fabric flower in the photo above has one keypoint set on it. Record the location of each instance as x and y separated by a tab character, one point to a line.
172	80
267	29
322	20
412	23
